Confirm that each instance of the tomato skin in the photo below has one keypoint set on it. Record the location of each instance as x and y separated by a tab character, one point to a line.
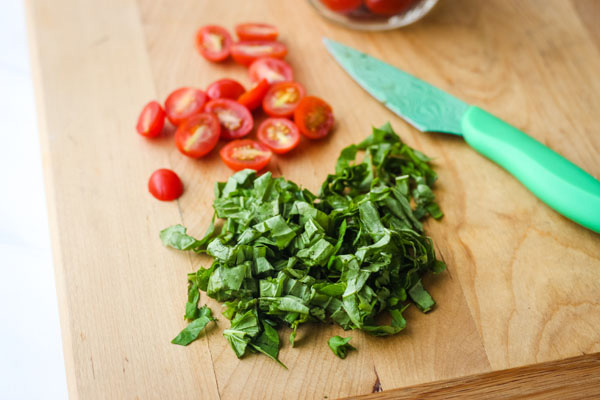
245	52
342	6
282	99
235	119
183	103
273	70
213	42
198	135
268	134
314	117
225	89
256	31
253	98
258	162
151	120
388	7
165	185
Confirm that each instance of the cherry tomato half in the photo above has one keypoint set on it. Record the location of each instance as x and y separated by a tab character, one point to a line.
151	120
183	103
314	117
247	51
255	31
165	185
342	6
213	42
225	89
282	99
388	7
279	134
271	69
253	98
235	119
198	135
245	153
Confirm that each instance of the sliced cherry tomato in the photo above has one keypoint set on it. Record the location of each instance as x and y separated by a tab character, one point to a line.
236	120
245	153
279	134
165	185
183	103
225	89
388	7
151	120
254	31
213	42
253	98
282	99
247	51
272	69
342	6
314	117
198	135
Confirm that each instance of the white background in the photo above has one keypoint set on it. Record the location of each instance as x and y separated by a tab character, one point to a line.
31	359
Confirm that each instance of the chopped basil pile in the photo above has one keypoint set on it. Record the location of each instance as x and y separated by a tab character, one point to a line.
285	256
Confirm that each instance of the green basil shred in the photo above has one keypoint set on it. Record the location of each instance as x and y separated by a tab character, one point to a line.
285	256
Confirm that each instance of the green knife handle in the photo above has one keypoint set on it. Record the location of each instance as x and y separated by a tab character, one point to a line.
555	180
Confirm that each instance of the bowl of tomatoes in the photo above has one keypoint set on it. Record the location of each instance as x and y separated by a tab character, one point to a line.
374	15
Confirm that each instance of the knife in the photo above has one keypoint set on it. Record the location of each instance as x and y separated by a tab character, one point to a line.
555	180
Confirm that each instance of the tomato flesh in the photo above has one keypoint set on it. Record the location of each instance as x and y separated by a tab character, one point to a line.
253	98
279	134
273	70
255	31
225	89
245	153
165	185
388	7
213	42
342	6
282	99
183	103
245	52
198	135
314	117
235	119
151	120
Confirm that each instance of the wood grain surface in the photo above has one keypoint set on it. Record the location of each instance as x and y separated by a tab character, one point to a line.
568	379
522	282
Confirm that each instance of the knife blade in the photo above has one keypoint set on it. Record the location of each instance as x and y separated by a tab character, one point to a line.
555	180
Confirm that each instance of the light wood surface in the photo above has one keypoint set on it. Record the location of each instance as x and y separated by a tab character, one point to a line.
568	379
522	282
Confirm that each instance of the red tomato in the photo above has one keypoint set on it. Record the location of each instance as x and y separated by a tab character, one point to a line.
198	135
342	6
245	153
246	52
236	120
251	31
183	103
151	120
165	185
279	134
253	98
388	7
213	42
282	98
271	69
225	89
314	117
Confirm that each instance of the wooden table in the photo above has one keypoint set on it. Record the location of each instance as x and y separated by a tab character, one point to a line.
522	285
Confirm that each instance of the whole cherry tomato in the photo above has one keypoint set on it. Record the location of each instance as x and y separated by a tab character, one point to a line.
388	7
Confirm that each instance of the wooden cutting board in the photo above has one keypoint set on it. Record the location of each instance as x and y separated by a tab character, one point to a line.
522	285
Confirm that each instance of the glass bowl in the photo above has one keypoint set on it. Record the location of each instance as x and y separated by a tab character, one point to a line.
373	15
